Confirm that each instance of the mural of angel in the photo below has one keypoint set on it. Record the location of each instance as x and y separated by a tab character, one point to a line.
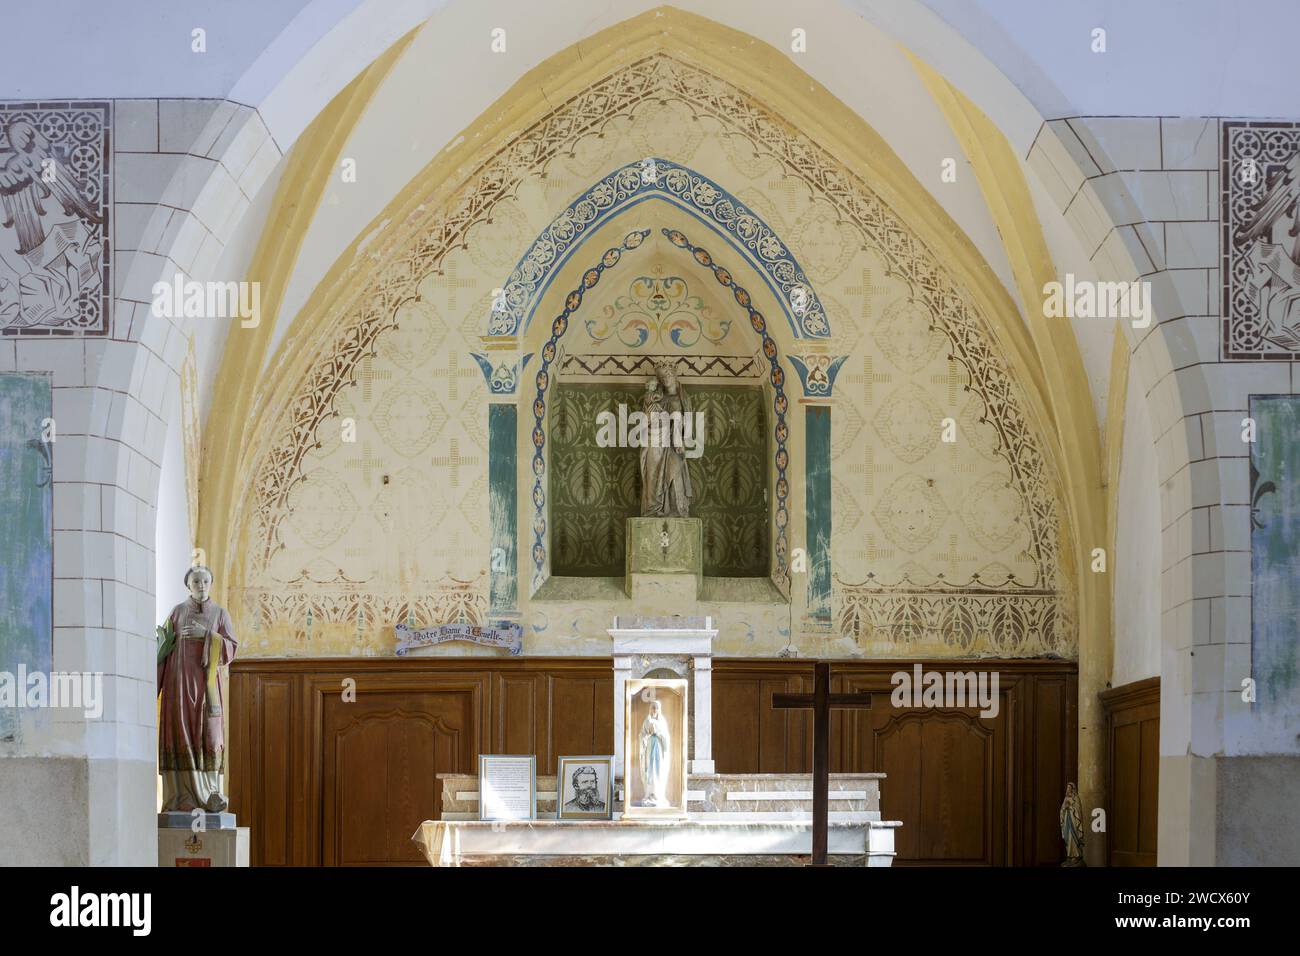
51	228
1271	235
29	173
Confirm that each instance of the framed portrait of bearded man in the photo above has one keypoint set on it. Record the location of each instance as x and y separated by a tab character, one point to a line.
584	788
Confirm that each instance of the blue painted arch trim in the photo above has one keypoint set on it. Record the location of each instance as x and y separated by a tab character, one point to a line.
542	381
780	401
655	178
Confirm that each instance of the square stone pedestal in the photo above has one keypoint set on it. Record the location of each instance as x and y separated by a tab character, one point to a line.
181	846
664	560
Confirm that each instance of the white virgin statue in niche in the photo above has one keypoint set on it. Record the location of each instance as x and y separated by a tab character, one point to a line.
654	757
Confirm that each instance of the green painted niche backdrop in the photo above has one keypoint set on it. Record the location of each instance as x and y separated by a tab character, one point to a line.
595	490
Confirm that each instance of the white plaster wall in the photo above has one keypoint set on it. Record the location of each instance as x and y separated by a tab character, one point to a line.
1189	58
211	336
1136	562
172	532
140	49
1213	58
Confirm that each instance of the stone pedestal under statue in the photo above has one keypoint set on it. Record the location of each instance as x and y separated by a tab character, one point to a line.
664	561
219	843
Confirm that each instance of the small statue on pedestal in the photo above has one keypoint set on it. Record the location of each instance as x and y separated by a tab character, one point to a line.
198	640
1072	827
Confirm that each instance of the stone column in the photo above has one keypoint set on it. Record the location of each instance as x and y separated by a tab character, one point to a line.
622	671
817	373
703	705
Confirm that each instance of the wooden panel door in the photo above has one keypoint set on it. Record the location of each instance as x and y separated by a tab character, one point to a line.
581	718
946	772
381	756
262	791
1049	746
1133	747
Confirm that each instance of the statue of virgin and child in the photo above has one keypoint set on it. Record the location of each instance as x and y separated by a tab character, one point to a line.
665	479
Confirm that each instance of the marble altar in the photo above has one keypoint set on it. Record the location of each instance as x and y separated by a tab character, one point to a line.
750	819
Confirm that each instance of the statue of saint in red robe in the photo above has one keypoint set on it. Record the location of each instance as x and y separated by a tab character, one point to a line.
191	726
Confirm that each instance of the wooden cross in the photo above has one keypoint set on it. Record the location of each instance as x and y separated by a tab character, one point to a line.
821	700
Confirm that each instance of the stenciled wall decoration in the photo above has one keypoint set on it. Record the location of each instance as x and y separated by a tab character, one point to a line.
935	548
594	490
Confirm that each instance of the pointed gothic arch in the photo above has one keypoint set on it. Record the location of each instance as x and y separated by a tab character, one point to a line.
432	219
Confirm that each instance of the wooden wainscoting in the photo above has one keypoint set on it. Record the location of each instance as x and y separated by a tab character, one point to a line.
1132	715
324	781
970	790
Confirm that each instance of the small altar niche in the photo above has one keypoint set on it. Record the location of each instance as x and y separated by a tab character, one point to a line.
667	647
599	541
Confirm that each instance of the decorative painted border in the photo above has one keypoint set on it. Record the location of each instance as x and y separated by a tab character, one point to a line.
360	318
1036	619
452	600
692	191
780	404
776	375
504	378
700	366
817	373
572	303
